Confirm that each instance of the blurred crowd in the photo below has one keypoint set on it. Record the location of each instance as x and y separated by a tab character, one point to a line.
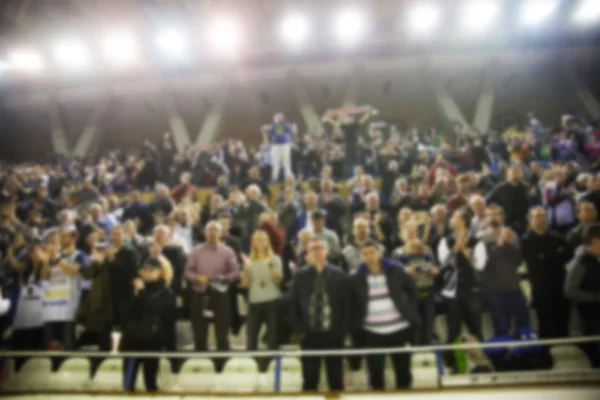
369	233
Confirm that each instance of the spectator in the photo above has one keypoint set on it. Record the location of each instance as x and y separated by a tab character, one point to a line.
582	286
461	198
210	268
320	314
512	196
386	309
546	254
303	220
498	258
150	325
587	215
279	136
262	274
319	231
255	179
361	232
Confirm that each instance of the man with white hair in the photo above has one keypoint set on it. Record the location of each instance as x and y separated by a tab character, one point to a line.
211	267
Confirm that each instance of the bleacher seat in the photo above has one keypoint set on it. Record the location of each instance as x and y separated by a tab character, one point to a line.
166	378
34	375
109	376
569	358
74	373
291	376
241	370
197	375
424	370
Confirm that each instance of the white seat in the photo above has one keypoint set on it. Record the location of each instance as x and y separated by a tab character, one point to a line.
166	378
569	357
240	374
196	375
109	376
33	375
423	360
290	379
74	373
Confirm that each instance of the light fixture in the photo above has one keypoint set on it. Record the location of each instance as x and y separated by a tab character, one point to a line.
71	55
173	44
120	49
535	12
479	15
26	61
423	18
295	30
225	35
350	26
587	12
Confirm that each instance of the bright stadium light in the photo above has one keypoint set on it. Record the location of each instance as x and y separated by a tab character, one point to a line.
479	15
26	61
423	18
120	49
587	12
225	35
72	55
295	30
350	26
535	12
173	44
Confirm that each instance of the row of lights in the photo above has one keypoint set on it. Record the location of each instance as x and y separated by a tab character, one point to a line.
350	26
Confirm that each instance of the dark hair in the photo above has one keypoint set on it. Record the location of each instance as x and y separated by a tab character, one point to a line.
590	233
370	243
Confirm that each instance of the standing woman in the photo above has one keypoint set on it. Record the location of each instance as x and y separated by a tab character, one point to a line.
262	275
28	324
150	325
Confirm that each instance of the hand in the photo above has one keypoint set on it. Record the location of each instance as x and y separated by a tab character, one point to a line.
506	235
97	257
202	279
412	271
246	261
292	266
434	271
138	285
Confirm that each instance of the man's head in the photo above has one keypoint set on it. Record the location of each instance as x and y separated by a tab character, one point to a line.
494	216
538	220
423	190
304	237
216	201
95	212
310	201
591	239
361	229
254	173
317	252
438	213
68	237
278	117
212	232
222	180
116	236
370	253
586	212
185	178
463	184
372	201
326	185
225	221
289	195
401	185
514	175
318	220
477	204
161	235
253	192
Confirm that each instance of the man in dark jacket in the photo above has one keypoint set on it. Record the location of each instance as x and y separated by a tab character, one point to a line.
385	308
587	215
582	286
320	314
546	254
513	197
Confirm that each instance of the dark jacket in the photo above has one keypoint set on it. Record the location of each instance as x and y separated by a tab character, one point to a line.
514	200
156	303
546	257
96	310
401	289
177	258
123	269
338	290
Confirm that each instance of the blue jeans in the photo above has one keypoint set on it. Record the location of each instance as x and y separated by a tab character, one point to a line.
426	307
506	305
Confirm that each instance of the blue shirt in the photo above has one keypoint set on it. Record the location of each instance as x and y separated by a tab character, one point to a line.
280	133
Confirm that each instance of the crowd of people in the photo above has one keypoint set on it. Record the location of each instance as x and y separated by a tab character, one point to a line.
371	233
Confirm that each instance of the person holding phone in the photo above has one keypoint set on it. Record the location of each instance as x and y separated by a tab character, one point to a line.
262	274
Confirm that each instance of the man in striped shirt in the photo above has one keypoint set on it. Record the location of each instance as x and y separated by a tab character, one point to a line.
386	310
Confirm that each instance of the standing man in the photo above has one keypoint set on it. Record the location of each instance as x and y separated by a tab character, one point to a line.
582	286
546	254
385	308
211	267
587	215
279	136
513	197
320	314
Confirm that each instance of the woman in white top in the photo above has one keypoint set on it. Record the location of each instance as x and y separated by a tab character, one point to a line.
262	275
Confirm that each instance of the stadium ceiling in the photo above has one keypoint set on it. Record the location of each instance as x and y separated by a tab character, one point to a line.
83	40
